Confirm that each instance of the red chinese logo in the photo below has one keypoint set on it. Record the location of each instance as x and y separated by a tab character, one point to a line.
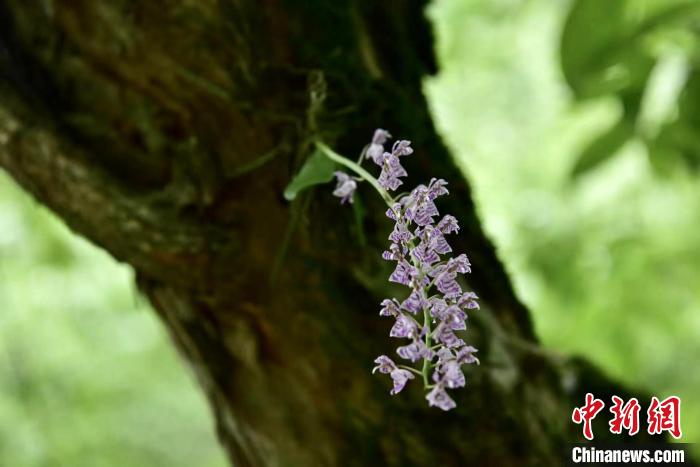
587	413
661	416
626	416
665	416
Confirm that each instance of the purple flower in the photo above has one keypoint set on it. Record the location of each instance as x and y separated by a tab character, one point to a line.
446	274
447	284
403	273
446	336
384	364
389	307
426	255
438	243
468	301
439	398
419	207
443	354
437	304
400	378
394	253
404	327
452	316
400	234
416	301
448	224
398	375
345	188
376	147
394	211
460	264
391	171
416	350
436	188
450	374
466	355
421	252
402	148
432	244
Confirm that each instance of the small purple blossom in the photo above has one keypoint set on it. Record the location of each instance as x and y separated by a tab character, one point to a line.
419	206
345	188
394	211
402	148
390	307
398	375
400	378
404	326
403	272
384	365
432	244
376	147
394	253
468	301
450	374
448	224
421	252
416	350
436	188
446	336
416	301
438	397
466	355
400	234
391	171
452	316
446	275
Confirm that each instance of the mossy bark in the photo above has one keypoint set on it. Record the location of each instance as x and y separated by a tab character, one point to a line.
165	132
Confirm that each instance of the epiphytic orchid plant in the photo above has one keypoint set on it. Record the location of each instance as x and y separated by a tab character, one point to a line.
436	306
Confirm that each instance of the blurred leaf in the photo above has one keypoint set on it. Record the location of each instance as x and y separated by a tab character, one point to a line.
678	142
619	48
605	47
316	170
597	54
659	104
603	147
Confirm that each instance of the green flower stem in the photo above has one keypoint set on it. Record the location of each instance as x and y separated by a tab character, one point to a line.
334	156
411	369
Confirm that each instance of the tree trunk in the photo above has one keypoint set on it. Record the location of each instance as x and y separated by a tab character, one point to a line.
166	132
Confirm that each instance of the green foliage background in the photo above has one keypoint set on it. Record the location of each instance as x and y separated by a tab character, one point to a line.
582	152
585	174
88	377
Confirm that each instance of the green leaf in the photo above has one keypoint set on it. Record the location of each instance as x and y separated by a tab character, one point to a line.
678	142
607	46
612	48
591	29
603	147
316	170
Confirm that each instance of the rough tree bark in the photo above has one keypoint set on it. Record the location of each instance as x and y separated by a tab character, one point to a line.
165	132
